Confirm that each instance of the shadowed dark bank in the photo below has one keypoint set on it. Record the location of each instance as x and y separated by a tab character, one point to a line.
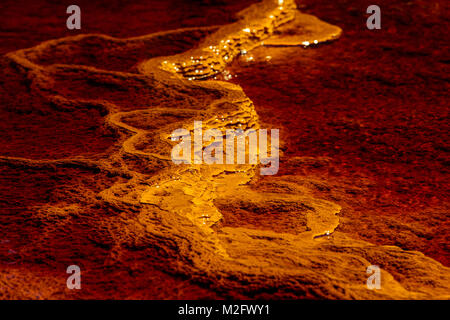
27	23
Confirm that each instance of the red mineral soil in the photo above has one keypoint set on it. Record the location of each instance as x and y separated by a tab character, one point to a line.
86	176
373	107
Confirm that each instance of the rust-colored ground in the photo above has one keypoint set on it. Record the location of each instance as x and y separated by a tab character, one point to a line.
375	105
84	179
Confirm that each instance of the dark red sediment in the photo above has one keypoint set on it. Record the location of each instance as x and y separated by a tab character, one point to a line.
34	127
27	23
375	105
